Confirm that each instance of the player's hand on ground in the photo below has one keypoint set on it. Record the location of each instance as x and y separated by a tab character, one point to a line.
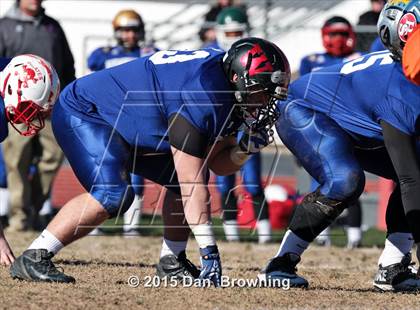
253	140
211	267
6	255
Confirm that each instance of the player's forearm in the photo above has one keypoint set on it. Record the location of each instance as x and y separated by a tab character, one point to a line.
228	161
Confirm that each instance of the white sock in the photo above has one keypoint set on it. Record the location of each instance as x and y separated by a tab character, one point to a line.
291	243
48	241
354	235
4	202
46	208
231	230
204	235
170	247
133	214
396	246
264	231
324	237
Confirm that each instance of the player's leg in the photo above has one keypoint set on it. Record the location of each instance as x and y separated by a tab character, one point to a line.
18	157
99	158
225	186
133	214
394	270
354	223
251	179
326	152
173	261
324	238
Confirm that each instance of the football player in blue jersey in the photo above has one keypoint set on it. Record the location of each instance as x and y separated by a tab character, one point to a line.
29	88
339	41
129	31
340	121
166	117
232	25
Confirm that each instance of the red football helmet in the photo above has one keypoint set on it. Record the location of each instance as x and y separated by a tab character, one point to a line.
29	86
338	36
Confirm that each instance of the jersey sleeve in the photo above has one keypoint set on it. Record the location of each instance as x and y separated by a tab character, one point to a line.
305	66
96	60
4	131
398	114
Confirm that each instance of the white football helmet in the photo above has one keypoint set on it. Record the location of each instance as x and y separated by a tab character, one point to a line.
29	86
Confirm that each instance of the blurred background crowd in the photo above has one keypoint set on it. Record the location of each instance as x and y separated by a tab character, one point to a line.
81	36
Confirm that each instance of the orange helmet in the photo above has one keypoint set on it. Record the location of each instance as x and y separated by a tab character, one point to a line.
128	19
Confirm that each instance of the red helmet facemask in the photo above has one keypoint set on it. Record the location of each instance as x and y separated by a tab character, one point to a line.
338	40
29	114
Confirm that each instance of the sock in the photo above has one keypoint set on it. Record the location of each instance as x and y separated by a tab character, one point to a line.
264	231
4	202
231	230
132	215
291	243
204	235
48	241
396	246
324	237
170	247
354	235
46	208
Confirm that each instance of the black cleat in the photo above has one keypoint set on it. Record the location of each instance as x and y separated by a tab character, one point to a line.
36	266
179	267
283	268
400	277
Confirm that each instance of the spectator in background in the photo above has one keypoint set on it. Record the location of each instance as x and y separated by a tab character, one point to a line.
370	41
339	41
207	32
129	31
26	29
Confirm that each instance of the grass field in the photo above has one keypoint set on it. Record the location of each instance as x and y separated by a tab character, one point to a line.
339	278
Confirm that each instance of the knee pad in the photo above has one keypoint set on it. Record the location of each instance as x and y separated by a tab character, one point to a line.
230	210
348	186
115	200
314	214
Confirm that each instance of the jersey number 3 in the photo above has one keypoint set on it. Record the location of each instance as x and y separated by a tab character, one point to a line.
170	57
366	62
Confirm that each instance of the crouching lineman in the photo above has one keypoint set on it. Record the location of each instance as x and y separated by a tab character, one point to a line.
29	87
346	119
157	116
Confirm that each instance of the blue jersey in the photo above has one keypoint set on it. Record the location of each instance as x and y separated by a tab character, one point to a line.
138	98
107	57
320	60
3	120
359	94
377	46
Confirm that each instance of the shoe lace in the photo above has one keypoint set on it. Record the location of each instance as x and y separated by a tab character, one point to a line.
48	266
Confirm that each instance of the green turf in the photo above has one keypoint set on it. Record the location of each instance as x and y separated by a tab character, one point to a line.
153	226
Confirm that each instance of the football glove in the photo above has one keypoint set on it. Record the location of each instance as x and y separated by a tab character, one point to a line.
253	140
211	267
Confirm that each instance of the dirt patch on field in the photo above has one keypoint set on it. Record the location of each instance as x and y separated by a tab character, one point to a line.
102	266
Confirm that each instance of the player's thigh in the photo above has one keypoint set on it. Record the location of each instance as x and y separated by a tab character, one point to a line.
251	174
98	155
225	183
323	148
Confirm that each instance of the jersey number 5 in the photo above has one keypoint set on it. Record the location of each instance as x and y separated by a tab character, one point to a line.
366	62
170	57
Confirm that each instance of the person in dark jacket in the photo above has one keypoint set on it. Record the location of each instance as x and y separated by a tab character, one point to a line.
26	29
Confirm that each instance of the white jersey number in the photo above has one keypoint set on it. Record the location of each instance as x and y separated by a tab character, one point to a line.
170	57
364	63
